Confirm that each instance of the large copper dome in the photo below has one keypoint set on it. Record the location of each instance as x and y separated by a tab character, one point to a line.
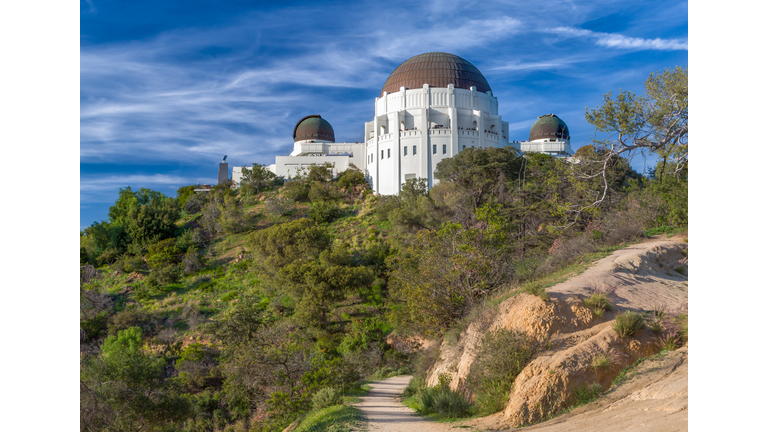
313	127
549	126
437	69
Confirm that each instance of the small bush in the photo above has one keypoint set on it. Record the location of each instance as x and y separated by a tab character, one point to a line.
296	190
413	387
325	397
600	300
587	393
164	276
501	357
278	206
442	400
537	289
604	360
628	323
324	212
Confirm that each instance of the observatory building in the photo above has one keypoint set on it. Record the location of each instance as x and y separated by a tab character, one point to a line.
431	107
314	143
549	134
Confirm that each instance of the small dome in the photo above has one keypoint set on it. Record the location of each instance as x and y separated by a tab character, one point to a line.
438	69
549	126
313	127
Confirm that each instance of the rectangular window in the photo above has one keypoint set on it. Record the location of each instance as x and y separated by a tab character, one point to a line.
389	153
382	154
444	149
405	151
414	149
463	147
434	149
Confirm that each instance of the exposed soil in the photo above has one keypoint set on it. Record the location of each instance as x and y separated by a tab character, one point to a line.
654	397
644	275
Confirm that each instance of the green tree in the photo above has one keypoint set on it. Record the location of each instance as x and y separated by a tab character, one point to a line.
480	173
351	178
656	122
295	241
124	388
257	177
437	280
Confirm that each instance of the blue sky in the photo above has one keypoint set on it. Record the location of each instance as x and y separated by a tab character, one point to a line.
168	88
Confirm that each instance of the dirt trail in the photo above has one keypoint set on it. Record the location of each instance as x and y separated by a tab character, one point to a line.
385	413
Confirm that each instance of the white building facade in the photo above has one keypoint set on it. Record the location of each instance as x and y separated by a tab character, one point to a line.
432	106
415	128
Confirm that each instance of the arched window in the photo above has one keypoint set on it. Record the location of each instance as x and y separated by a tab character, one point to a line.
383	130
402	125
474	125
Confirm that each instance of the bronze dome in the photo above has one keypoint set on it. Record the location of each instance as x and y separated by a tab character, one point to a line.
549	126
313	127
437	69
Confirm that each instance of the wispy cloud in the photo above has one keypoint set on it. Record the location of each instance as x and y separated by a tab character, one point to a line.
615	40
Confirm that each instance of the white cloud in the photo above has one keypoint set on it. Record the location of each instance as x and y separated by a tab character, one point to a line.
615	40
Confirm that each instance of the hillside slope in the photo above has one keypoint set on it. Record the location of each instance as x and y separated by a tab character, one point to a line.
645	276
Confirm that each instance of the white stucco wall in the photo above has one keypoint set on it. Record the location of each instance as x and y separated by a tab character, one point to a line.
428	118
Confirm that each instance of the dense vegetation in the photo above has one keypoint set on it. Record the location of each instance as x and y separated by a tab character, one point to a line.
247	308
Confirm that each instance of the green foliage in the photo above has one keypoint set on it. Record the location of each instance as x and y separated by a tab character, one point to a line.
351	178
324	212
536	289
289	243
478	172
436	281
502	356
231	218
255	178
162	253
360	334
162	276
442	400
628	323
183	193
325	397
586	393
297	190
278	206
95	327
337	418
146	215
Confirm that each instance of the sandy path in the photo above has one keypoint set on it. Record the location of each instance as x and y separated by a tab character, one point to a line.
385	412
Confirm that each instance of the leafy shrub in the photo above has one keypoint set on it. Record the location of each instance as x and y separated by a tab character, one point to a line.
325	397
628	323
296	190
192	261
95	327
129	263
586	393
351	178
194	203
501	357
130	318
324	212
599	301
164	276
537	289
604	360
278	206
413	387
442	400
